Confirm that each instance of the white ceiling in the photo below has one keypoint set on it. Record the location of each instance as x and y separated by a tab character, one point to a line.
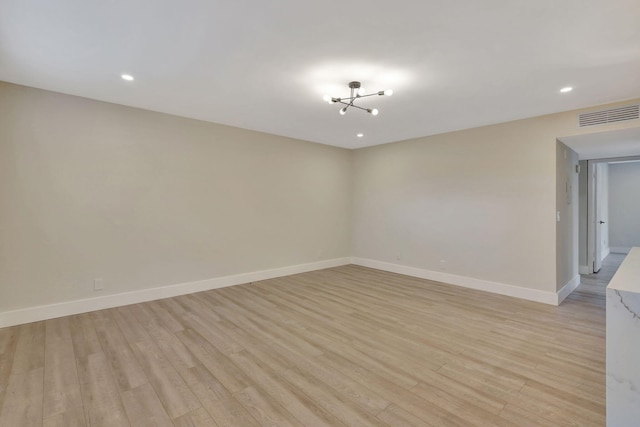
265	65
605	145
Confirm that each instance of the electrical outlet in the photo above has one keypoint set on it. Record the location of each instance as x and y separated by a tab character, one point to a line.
98	284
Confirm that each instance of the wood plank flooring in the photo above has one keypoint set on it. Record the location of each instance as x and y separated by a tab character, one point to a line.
595	284
347	346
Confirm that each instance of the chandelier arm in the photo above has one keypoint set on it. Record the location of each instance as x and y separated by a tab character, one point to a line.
360	108
370	94
350	104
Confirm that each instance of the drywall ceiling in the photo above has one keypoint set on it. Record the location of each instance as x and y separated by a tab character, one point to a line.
605	145
265	65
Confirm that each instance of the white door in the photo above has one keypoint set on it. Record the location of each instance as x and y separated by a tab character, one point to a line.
593	219
600	217
597	257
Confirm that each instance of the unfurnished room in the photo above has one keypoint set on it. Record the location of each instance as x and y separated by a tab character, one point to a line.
285	213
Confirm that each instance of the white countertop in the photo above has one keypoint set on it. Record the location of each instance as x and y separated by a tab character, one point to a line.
627	278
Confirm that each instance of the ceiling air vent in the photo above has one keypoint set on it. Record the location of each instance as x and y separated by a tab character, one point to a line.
630	112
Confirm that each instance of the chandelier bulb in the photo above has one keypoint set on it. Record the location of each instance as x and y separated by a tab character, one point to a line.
374	111
361	91
343	111
327	98
388	92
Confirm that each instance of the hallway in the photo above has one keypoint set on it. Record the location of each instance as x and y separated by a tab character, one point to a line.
592	286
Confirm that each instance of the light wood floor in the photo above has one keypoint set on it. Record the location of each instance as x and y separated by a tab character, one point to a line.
343	346
596	283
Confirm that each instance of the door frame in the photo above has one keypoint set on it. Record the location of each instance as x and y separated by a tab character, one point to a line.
593	239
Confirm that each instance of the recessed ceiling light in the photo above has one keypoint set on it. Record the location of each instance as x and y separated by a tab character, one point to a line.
360	135
127	77
566	89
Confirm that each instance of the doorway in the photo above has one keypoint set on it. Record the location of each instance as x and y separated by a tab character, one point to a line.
597	214
610	214
600	217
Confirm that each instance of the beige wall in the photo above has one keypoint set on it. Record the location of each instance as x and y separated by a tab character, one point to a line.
483	200
142	199
583	227
567	203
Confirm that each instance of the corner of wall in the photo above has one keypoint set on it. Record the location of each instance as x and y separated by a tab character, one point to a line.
566	290
567	210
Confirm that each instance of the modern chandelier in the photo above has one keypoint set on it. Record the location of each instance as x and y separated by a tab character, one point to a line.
357	91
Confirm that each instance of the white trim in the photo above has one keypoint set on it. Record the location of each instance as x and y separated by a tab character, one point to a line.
467	282
566	290
604	253
51	311
619	250
584	269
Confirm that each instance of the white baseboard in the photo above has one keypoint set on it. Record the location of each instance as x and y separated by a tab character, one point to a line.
51	311
619	250
604	253
566	290
584	269
467	282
